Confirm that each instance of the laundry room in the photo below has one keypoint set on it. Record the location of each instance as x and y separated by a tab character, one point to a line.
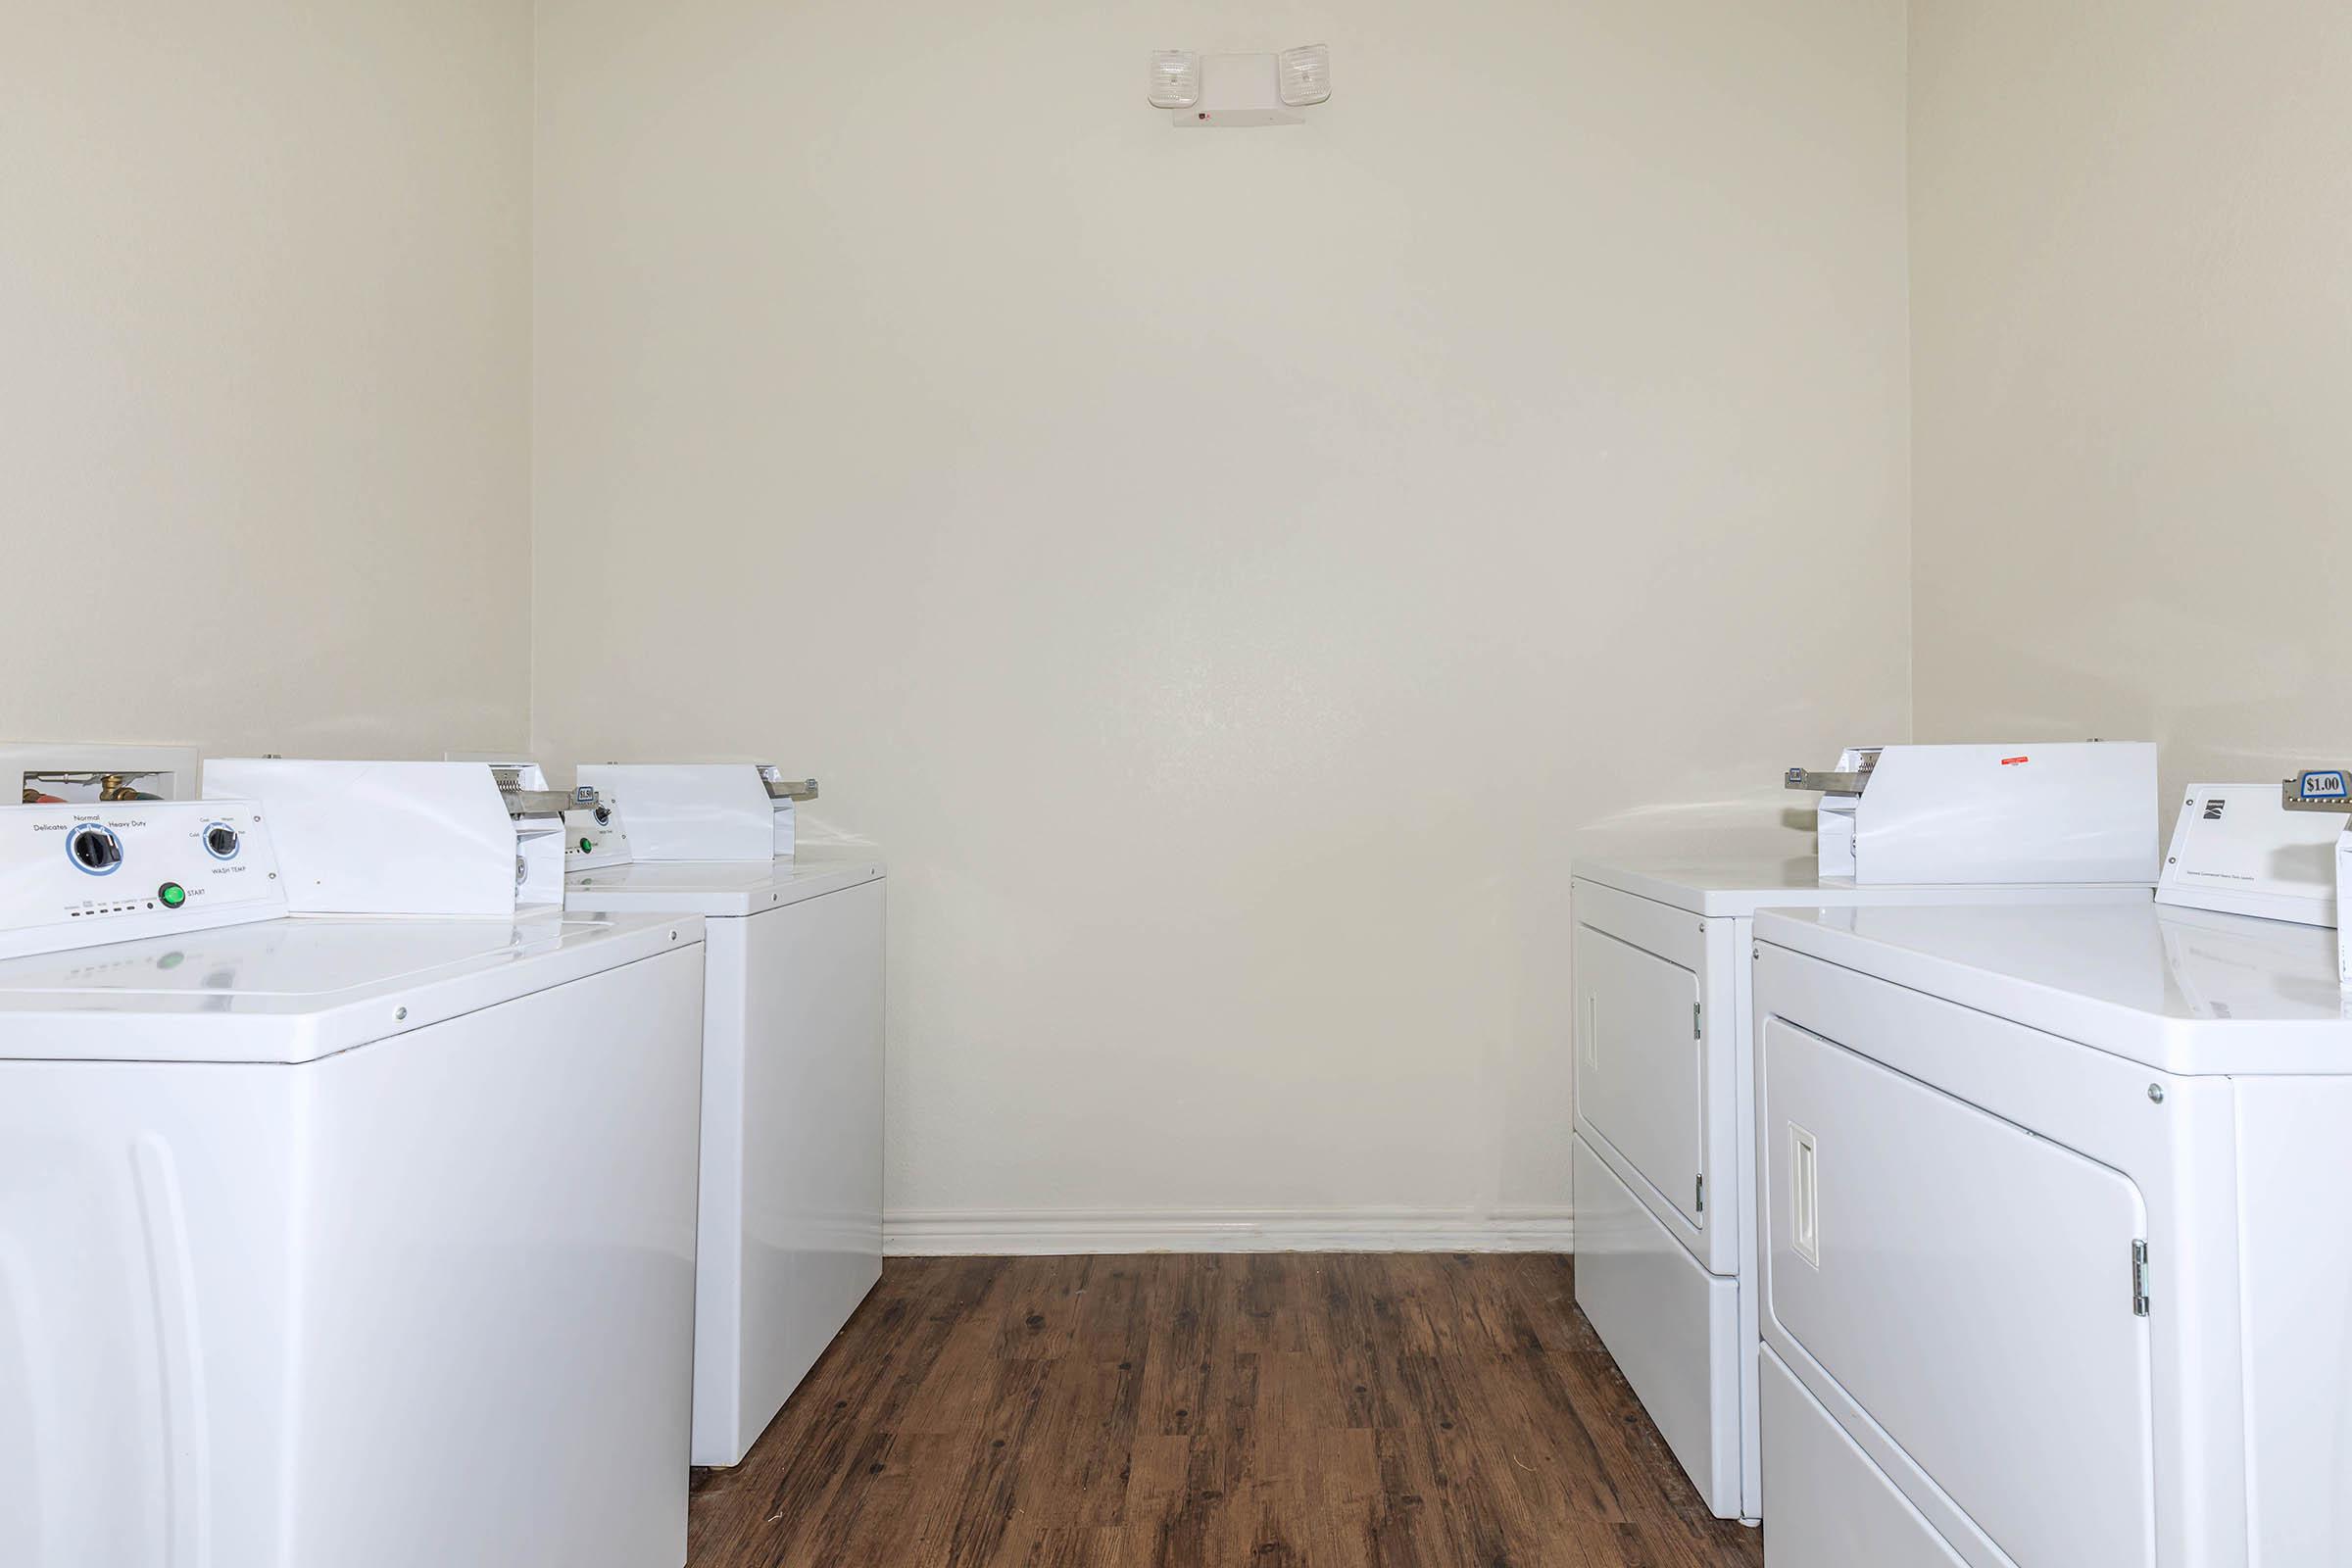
1140	785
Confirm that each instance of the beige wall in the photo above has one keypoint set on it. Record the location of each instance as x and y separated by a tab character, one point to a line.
2131	306
1221	567
263	374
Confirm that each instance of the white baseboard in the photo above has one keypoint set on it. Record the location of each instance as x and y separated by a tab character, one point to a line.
1029	1233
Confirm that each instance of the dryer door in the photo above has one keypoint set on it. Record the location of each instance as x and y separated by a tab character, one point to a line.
1969	1285
1639	1070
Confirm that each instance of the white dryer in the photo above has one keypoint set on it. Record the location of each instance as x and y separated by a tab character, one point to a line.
791	1207
333	1240
1665	1236
1665	1232
2055	1268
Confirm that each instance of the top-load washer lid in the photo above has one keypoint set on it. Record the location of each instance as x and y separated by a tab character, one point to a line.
2187	991
295	989
1733	884
718	888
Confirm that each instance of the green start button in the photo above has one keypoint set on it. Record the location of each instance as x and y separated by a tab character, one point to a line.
173	895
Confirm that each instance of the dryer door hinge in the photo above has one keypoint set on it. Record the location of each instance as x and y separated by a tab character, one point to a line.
1700	1199
2139	1279
1698	1012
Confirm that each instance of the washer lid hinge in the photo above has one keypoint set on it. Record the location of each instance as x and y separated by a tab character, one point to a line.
1701	1197
1699	1011
2139	1279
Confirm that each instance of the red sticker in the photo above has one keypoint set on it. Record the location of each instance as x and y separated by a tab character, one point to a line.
2011	761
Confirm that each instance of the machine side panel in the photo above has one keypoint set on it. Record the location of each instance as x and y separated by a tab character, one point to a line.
812	1175
718	1329
510	1192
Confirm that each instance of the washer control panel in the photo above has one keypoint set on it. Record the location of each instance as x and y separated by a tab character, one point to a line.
76	876
593	838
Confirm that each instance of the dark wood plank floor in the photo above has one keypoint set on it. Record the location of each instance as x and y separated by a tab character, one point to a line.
1410	1410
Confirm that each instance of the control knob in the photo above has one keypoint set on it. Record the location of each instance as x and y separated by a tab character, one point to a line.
95	849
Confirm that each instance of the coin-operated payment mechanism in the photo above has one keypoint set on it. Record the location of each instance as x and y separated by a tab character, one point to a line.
2329	788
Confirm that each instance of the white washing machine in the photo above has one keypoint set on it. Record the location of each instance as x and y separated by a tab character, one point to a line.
793	1022
2055	1266
364	1242
1665	1234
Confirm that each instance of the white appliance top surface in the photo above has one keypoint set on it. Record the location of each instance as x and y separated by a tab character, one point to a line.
719	888
301	988
1736	885
2187	991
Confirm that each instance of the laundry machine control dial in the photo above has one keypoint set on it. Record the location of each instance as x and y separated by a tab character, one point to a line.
95	847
